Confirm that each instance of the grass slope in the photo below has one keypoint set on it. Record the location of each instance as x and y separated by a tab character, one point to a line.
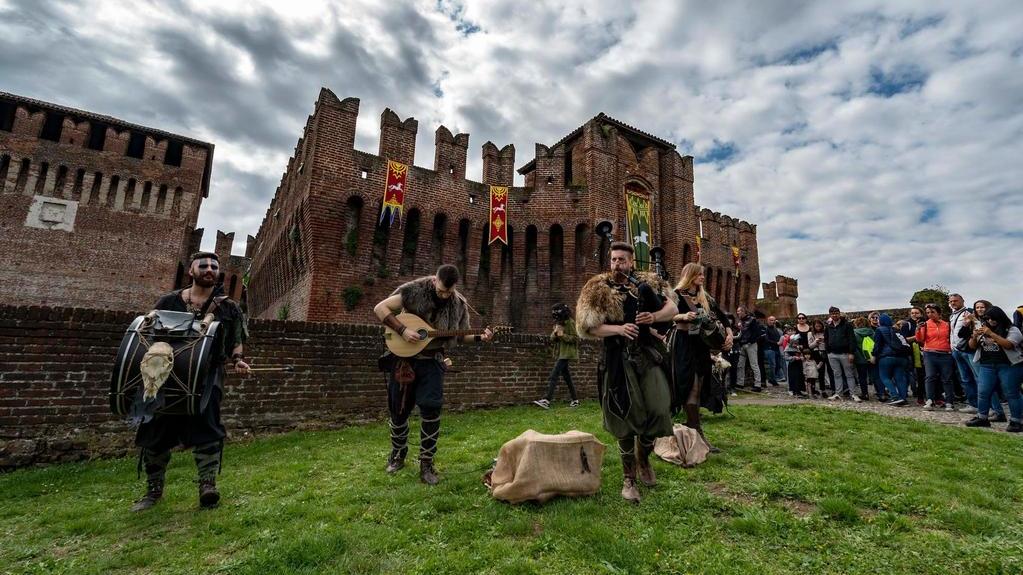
797	490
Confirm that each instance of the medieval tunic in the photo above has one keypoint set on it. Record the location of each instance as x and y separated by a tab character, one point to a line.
690	358
634	392
164	432
426	390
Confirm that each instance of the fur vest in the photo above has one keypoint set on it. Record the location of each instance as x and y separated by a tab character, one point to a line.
600	303
417	298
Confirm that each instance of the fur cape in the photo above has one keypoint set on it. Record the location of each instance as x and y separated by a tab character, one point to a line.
600	303
417	298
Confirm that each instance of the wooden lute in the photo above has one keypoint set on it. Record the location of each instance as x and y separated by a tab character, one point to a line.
401	348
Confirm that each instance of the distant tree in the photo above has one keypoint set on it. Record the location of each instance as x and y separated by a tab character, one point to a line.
936	294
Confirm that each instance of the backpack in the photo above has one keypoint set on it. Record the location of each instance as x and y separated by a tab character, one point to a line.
867	346
898	344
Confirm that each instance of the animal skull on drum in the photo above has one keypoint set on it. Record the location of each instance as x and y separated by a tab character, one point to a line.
155	367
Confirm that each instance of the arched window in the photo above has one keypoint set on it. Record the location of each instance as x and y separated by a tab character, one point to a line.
410	244
687	254
583	244
530	256
463	246
729	285
353	215
378	257
439	236
5	166
556	244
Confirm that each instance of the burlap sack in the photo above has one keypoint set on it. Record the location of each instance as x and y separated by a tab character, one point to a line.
686	447
537	467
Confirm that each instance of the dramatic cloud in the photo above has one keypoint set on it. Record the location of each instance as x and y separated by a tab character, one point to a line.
875	144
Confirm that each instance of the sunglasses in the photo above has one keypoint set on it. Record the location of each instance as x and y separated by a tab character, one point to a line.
803	317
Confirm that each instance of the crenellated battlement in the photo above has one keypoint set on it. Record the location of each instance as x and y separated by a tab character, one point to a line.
323	251
78	187
102	139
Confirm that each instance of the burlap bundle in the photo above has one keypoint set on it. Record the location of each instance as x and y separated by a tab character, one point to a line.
685	447
537	467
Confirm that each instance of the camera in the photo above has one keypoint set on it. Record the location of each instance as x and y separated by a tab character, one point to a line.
560	312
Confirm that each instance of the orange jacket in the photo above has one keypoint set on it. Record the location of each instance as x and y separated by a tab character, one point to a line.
934	336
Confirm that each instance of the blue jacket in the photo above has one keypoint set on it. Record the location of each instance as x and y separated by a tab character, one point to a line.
883	336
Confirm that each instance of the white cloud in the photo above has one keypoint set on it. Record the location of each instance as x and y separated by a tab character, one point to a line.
876	144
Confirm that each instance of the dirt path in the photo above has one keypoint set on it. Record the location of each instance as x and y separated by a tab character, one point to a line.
779	396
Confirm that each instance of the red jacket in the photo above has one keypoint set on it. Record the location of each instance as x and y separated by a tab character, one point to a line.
934	336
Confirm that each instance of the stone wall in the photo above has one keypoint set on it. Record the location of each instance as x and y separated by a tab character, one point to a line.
55	370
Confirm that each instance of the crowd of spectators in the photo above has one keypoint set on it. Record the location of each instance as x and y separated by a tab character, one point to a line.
969	360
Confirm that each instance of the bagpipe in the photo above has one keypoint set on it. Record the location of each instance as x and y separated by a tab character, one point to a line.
649	300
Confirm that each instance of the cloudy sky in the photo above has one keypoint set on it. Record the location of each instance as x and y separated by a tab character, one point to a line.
877	145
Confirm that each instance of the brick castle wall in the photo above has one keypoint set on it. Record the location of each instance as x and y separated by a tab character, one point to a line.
320	254
86	199
55	371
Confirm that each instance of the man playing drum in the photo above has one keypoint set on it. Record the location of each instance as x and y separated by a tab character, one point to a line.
203	432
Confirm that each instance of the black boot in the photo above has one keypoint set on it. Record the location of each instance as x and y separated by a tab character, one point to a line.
208	494
395	462
645	473
630	492
399	446
427	474
693	421
154	491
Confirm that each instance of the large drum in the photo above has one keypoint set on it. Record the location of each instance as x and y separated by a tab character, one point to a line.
187	370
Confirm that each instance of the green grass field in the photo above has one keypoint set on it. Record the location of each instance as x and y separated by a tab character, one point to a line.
798	489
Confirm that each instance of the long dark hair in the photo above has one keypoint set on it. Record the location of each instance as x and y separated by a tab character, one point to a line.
1004	323
813	327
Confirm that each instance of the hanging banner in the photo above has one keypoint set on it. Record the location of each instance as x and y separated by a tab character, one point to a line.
699	246
638	219
394	192
498	214
736	259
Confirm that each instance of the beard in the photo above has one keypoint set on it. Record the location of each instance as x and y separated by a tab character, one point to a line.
204	281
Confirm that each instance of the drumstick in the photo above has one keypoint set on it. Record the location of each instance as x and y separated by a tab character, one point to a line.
287	368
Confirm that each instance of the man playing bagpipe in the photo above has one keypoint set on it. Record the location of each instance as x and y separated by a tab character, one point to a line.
620	306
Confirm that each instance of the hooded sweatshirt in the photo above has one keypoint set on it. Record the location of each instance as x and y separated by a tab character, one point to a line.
883	337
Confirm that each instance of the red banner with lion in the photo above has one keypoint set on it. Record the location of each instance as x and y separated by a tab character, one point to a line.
498	214
394	192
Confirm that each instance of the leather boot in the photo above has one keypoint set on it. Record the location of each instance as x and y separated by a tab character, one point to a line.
630	492
394	462
208	494
427	474
646	472
154	491
693	421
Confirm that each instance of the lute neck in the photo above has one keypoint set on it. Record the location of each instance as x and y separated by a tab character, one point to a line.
451	332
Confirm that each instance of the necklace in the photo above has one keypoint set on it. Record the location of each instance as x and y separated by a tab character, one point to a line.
192	307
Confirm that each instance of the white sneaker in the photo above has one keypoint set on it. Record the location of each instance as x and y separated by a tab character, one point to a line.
968	409
543	403
929	405
856	398
834	397
574	403
950	407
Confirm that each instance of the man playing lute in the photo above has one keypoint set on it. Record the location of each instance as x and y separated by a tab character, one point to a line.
419	380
